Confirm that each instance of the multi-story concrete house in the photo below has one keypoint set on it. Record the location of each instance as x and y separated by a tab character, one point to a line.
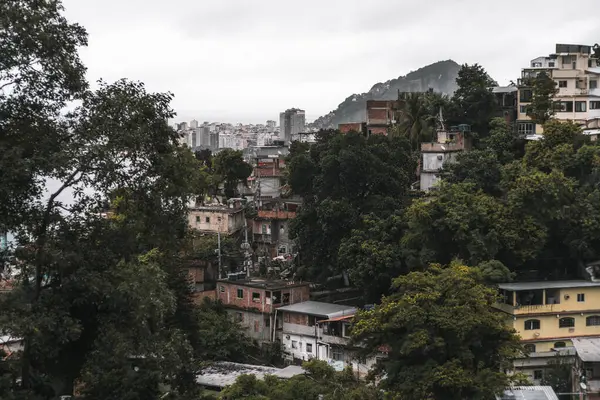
313	329
254	302
576	74
435	154
217	218
548	315
586	371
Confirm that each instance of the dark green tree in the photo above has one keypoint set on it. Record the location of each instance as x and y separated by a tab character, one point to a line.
474	98
444	339
343	179
231	169
541	108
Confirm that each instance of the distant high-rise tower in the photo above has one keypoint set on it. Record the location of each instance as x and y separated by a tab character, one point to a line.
271	126
291	123
193	124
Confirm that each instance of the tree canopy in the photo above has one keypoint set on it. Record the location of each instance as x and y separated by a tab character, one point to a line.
345	181
444	340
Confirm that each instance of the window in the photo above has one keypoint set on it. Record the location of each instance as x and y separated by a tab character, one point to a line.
221	288
562	84
337	354
525	95
580	106
523	109
526	128
580	297
538	374
566	322
593	84
267	322
255	297
529	348
593	320
276	297
312	320
532	324
256	326
536	64
559	345
567	60
551	64
594	105
294	344
197	219
564	106
240	293
286	298
207	220
264	229
239	317
309	347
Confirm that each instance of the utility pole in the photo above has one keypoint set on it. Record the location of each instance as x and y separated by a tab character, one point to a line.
219	252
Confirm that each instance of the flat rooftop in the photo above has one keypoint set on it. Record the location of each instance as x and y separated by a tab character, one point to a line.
516	286
274	284
327	310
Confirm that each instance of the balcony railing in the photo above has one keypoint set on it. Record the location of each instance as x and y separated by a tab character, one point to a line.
276	214
528	309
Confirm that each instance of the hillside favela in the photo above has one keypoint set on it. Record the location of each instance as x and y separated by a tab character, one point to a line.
188	211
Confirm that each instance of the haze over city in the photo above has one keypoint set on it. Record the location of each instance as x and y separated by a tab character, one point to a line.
245	61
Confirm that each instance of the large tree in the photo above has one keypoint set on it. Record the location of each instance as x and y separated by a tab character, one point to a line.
474	98
231	169
444	340
541	108
342	179
489	202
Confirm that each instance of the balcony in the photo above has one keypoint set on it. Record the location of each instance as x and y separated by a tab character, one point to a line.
441	147
528	309
276	214
329	339
298	329
262	238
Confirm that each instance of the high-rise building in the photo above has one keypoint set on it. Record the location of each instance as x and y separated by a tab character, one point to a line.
576	73
271	126
193	124
292	122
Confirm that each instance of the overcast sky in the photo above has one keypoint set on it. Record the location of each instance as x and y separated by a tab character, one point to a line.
247	60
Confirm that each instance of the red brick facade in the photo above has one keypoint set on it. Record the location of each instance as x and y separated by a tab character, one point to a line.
266	300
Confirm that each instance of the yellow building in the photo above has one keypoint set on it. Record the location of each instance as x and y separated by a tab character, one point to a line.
547	315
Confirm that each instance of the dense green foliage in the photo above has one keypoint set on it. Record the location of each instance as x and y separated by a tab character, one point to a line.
319	379
474	101
490	203
97	199
444	340
348	183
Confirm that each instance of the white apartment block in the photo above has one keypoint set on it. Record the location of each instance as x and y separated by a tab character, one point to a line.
576	73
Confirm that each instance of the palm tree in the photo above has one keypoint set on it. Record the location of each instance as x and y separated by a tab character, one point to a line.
416	118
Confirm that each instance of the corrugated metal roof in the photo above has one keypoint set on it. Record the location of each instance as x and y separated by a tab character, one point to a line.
327	310
547	285
504	89
588	349
530	393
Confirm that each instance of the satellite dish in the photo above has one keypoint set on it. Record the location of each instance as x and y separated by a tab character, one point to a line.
443	148
583	386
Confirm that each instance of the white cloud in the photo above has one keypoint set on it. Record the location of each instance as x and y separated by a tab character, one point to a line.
246	60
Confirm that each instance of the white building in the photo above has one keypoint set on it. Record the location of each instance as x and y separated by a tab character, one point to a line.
576	74
312	329
193	124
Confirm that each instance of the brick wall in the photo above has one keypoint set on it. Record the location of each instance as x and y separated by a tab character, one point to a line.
378	130
257	298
